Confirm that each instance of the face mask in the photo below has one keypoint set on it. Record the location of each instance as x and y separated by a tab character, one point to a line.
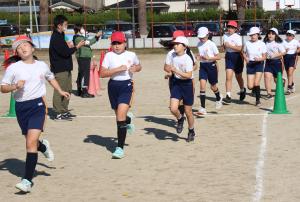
82	31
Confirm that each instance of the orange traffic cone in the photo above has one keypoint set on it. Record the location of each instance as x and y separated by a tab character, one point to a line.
92	89
6	56
102	54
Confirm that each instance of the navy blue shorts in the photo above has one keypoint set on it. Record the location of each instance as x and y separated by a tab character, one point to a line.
209	71
234	61
253	67
273	66
119	92
31	114
289	61
183	90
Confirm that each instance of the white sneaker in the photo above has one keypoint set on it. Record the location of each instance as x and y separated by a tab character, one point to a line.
48	153
201	111
294	88
219	103
24	185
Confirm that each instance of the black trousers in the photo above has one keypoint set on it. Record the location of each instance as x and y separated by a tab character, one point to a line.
83	77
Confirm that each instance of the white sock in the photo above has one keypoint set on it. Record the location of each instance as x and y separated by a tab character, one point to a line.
242	90
228	93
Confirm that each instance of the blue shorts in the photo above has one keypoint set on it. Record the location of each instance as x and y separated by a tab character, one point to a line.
31	114
119	92
183	90
273	66
234	61
253	67
289	61
209	71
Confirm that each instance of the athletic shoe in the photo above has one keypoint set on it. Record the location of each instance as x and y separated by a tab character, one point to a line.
179	127
130	127
201	111
24	185
269	96
190	136
293	88
227	99
243	94
118	154
253	93
288	92
68	114
48	153
257	103
219	103
61	117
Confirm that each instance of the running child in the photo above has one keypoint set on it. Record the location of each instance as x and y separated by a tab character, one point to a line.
292	47
233	60
208	55
120	65
182	68
168	66
254	53
275	51
26	79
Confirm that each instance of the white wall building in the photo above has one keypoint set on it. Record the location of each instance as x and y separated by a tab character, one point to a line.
272	5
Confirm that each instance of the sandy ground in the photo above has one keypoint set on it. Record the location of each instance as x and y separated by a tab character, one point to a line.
240	153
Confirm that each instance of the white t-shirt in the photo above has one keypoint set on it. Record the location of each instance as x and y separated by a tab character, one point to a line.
207	48
291	46
34	75
255	49
171	54
183	63
113	60
233	40
274	48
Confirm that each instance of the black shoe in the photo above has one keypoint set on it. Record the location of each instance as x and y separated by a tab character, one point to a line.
253	93
191	136
269	96
79	92
68	114
62	117
257	103
180	125
227	99
87	95
243	95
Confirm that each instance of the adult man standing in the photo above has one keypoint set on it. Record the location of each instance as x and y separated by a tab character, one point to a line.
61	65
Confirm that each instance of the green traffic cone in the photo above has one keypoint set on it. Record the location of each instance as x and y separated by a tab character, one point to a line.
279	101
12	110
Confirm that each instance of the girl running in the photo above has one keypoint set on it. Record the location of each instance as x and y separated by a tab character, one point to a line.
182	68
275	51
208	55
292	47
170	75
119	65
255	55
26	79
233	60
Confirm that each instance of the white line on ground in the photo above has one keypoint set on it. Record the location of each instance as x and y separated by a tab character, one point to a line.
259	184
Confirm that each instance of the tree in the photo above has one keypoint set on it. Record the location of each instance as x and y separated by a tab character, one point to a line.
241	8
142	17
43	15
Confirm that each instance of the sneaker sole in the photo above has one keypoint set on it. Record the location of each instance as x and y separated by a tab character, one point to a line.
199	113
23	190
117	157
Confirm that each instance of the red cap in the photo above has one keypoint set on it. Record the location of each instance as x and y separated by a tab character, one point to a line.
21	39
178	33
232	23
118	37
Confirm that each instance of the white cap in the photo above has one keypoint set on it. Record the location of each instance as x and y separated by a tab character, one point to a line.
291	32
274	30
182	39
254	30
202	32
